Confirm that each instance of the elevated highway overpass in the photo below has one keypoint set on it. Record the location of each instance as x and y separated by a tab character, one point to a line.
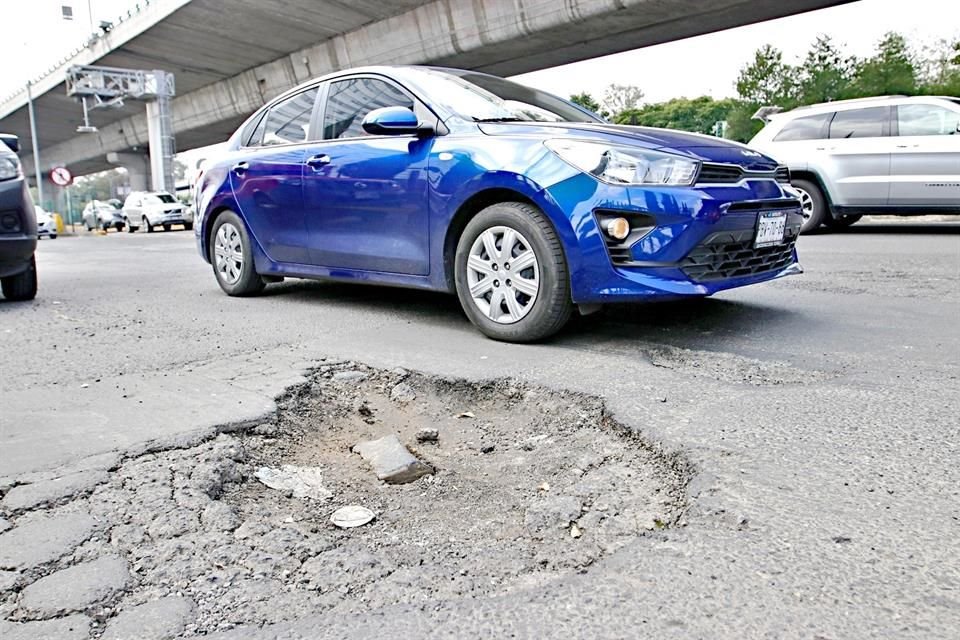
230	57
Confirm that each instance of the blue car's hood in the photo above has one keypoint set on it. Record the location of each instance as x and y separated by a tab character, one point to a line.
695	145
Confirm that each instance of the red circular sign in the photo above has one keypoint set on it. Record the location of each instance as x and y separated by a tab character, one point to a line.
60	176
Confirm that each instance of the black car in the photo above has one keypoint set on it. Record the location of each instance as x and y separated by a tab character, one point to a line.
18	226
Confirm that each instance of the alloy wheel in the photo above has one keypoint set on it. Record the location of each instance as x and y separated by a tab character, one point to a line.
228	252
806	203
503	274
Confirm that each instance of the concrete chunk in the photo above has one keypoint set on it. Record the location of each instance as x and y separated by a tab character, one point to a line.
75	627
76	588
391	461
43	539
162	619
28	496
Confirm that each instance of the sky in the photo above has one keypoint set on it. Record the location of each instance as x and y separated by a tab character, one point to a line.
663	71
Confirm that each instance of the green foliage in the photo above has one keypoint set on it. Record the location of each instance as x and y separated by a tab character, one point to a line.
586	101
892	70
768	80
940	69
621	97
698	114
825	74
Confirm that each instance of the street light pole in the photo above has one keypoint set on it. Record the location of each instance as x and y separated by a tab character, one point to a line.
36	148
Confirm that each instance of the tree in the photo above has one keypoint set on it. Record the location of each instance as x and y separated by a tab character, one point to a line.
892	70
586	101
939	69
825	73
767	80
179	170
621	97
699	115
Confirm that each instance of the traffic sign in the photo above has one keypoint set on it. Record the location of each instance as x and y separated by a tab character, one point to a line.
61	177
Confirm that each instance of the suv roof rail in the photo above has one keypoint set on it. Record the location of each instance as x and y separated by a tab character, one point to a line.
851	101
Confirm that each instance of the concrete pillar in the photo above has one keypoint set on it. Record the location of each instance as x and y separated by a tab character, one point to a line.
136	166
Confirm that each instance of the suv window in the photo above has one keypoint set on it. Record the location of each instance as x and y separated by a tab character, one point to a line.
350	100
926	120
288	121
860	123
806	128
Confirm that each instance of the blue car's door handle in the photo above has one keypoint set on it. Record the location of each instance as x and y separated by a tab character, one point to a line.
318	160
240	167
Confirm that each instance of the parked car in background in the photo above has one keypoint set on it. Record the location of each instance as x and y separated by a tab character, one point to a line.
150	209
523	204
18	226
46	225
100	214
888	155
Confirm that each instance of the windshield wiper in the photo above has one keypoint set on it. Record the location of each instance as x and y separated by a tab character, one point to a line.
503	119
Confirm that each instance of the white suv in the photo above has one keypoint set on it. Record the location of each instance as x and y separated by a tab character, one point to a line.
156	208
888	155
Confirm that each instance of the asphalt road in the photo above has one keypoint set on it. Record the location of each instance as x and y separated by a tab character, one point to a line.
820	413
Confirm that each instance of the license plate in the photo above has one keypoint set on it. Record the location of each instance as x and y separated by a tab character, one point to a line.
771	226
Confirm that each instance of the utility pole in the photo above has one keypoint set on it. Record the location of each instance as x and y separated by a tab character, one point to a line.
36	147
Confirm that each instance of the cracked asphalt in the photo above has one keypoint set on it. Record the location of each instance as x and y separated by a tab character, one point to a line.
819	414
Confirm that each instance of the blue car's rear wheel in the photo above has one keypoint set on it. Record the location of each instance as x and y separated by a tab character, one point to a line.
511	275
232	258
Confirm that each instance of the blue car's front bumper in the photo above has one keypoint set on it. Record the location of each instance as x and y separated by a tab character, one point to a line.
686	241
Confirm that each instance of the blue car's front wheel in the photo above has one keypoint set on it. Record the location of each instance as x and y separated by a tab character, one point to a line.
511	275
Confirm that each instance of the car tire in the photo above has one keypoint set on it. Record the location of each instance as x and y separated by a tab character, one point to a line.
166	227
188	226
146	226
53	236
812	203
842	221
120	227
130	227
22	286
236	274
542	306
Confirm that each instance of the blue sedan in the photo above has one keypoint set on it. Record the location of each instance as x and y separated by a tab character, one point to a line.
526	206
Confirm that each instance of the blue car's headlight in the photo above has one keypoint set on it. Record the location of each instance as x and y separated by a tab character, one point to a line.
623	165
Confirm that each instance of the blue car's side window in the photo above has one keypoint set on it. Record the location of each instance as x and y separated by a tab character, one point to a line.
350	100
287	122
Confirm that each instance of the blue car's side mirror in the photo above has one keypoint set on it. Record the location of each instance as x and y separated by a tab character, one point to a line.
391	121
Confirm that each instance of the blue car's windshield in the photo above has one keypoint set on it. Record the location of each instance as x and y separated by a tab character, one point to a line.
484	98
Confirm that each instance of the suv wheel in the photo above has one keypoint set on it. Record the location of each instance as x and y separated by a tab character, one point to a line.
841	222
22	286
511	274
812	204
146	225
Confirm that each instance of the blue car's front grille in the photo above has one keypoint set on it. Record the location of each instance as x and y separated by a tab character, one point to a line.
731	254
731	173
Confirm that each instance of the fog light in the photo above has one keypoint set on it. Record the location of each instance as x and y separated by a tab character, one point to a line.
10	222
618	228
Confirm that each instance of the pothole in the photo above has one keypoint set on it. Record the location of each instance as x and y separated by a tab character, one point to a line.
529	485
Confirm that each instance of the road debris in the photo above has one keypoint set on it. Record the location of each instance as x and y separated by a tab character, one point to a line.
352	516
300	482
403	393
391	461
428	434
